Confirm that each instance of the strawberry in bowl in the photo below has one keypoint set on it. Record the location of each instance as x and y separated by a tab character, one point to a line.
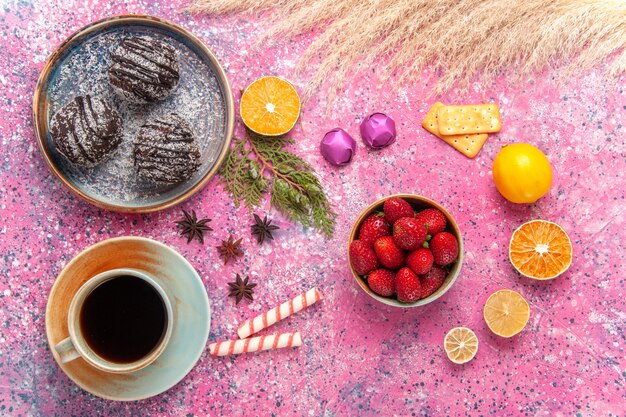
405	250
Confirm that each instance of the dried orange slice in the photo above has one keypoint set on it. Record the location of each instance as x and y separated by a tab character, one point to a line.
270	106
461	345
540	249
506	313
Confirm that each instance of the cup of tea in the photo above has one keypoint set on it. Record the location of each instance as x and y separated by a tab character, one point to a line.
119	321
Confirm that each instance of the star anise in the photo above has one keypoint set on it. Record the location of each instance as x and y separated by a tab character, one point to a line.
192	227
229	249
262	229
240	289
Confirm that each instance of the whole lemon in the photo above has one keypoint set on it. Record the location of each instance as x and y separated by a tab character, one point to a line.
522	173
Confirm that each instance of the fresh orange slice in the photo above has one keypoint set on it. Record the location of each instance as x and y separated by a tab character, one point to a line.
461	345
540	249
506	313
270	106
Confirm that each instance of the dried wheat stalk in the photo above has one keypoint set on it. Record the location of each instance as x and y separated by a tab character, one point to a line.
457	39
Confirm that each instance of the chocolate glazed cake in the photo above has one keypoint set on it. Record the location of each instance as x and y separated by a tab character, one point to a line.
144	70
166	150
86	130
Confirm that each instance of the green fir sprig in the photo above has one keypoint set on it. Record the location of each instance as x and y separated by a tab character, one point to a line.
257	164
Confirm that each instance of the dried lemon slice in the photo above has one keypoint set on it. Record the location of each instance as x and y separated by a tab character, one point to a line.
461	345
270	106
540	249
506	313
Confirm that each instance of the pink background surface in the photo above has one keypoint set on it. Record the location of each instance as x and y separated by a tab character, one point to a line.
359	357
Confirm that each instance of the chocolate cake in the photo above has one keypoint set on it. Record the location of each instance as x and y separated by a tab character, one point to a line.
166	150
143	69
86	130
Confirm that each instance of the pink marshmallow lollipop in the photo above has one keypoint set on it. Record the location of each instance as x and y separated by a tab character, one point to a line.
256	344
286	309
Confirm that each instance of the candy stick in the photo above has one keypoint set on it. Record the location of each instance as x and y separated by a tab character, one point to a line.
286	309
255	344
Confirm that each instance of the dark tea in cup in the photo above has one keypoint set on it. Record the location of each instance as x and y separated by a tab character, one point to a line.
123	319
119	321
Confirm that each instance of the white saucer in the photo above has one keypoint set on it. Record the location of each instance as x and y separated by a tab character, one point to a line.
192	316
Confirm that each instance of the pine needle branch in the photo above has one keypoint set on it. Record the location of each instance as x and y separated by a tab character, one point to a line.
258	164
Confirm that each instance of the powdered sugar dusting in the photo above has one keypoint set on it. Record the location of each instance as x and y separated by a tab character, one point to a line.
198	99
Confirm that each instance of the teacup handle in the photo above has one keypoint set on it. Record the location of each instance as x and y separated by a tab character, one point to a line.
66	350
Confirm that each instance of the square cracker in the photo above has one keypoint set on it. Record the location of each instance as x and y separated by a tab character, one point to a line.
470	118
469	145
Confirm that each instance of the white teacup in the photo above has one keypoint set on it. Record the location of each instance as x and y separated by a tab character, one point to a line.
77	344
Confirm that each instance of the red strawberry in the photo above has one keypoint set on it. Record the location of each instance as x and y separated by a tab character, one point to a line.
408	233
373	227
432	280
382	282
420	261
362	257
444	247
408	286
396	208
433	219
388	253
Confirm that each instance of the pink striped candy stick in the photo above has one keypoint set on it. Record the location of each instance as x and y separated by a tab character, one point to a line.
286	309
256	344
